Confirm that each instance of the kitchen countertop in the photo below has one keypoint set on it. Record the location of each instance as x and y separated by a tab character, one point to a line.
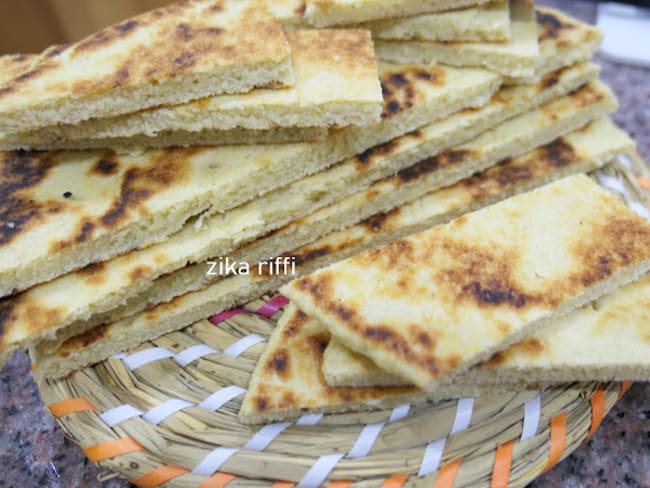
34	452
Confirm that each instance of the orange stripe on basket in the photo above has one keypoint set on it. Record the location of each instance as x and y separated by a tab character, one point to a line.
339	484
597	410
643	182
502	464
447	475
283	484
558	440
72	405
395	481
624	387
158	476
111	449
34	367
218	480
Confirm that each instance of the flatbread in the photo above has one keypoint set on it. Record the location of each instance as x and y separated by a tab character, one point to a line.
116	204
168	139
287	381
336	85
603	341
322	13
174	54
516	58
443	300
583	150
100	289
604	344
563	41
483	23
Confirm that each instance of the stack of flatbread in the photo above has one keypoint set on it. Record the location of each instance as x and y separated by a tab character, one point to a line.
121	190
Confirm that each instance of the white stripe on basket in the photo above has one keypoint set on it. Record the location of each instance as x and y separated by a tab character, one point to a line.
625	161
613	184
366	440
370	433
119	414
166	409
243	344
191	354
641	210
532	415
432	457
309	419
146	356
220	398
464	411
213	461
400	413
265	436
319	471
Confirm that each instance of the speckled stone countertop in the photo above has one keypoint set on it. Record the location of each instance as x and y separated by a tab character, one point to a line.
34	452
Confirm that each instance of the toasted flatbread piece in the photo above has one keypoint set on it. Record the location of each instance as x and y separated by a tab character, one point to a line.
336	85
118	280
516	58
68	210
185	51
287	380
563	41
483	23
603	341
438	302
344	12
582	151
166	139
608	340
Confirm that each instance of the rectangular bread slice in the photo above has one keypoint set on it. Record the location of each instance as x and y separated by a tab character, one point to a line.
516	57
344	12
181	52
483	23
337	84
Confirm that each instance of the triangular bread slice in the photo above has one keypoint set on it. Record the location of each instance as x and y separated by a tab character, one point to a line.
440	301
483	23
67	210
607	340
322	13
103	287
181	52
590	344
582	150
336	85
516	57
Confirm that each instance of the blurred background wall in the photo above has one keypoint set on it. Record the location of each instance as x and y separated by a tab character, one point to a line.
29	26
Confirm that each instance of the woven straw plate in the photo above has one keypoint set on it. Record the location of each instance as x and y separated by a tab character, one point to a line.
165	414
